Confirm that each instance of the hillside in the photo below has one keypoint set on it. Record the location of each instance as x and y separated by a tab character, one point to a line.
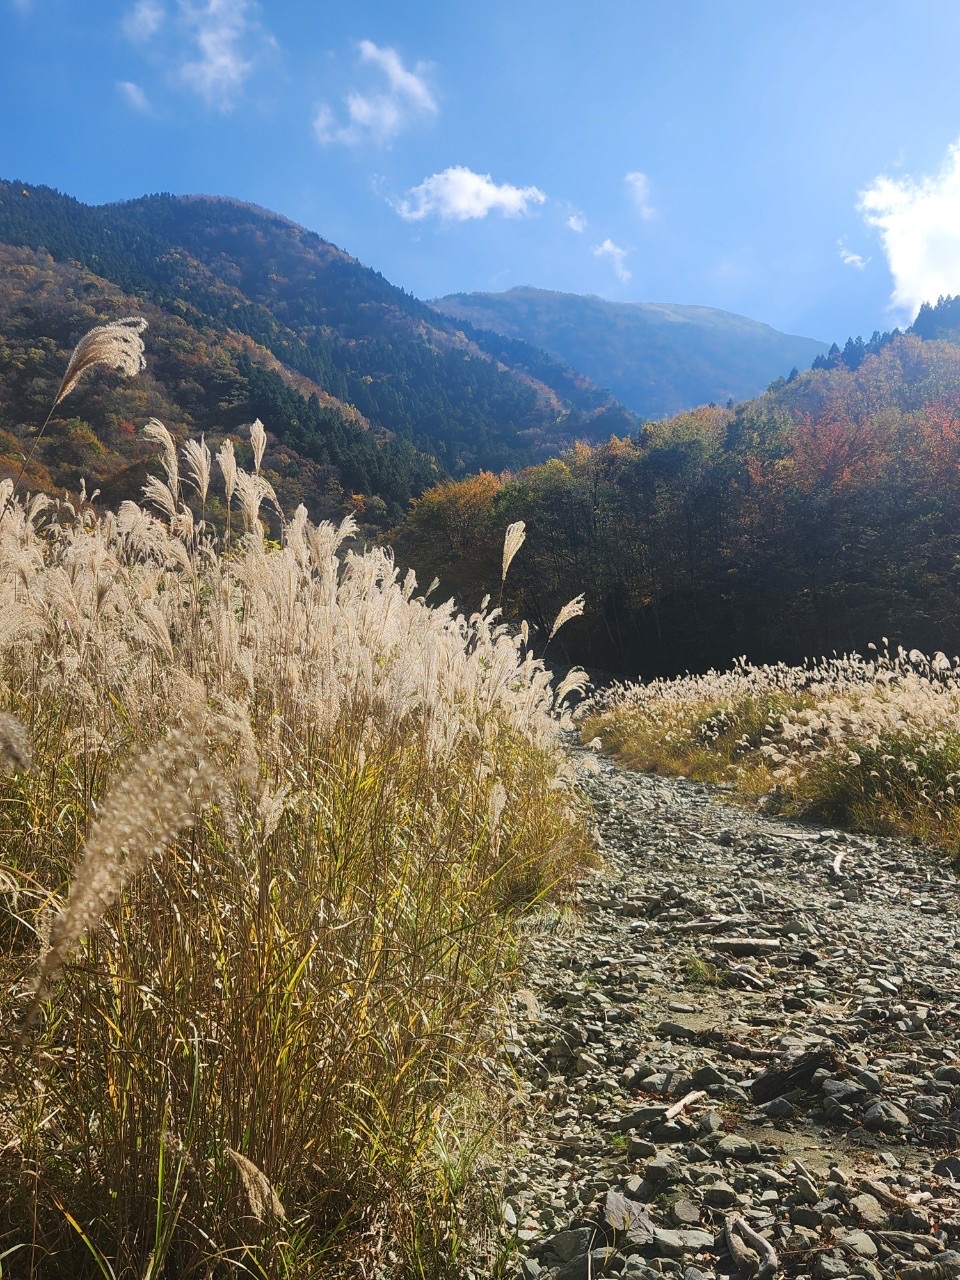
657	358
363	388
820	516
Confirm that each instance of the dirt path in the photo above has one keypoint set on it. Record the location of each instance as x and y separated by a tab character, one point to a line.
744	1020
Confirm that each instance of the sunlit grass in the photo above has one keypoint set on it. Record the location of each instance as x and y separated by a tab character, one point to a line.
268	868
872	743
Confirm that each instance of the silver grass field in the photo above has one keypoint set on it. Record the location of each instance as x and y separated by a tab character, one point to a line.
868	742
269	820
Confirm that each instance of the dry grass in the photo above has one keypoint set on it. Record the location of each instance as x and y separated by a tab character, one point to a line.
870	743
266	865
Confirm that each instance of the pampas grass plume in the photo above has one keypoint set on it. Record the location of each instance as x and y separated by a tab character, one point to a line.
572	609
16	749
512	542
149	806
117	344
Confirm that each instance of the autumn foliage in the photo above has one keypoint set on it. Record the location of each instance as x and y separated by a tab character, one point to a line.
814	518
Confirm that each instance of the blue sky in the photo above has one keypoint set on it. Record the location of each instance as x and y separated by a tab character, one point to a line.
798	163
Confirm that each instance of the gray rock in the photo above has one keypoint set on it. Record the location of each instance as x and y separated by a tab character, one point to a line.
574	1243
642	1118
720	1196
685	1213
703	1077
733	1147
676	1031
627	1217
805	1191
674	1244
663	1170
843	1091
828	1267
869	1210
859	1243
885	1117
778	1109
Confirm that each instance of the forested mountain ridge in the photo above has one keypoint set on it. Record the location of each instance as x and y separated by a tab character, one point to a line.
374	391
657	358
822	515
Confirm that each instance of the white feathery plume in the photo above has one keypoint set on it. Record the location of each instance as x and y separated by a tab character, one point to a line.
156	432
16	749
117	344
227	461
197	457
512	542
572	609
258	438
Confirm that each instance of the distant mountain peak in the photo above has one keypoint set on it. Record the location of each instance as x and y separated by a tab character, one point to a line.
657	358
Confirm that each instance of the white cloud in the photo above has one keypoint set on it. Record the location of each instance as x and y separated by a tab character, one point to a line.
577	222
209	47
616	255
220	67
144	21
638	185
134	96
458	193
379	115
919	225
851	259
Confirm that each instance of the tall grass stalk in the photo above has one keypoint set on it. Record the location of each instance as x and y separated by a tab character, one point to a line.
266	866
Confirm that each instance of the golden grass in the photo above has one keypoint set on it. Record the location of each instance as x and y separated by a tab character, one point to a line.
267	866
871	743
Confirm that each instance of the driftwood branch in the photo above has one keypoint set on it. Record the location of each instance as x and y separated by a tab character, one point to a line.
686	1101
751	1253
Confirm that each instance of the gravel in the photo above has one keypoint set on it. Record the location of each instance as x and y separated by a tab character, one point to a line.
733	1028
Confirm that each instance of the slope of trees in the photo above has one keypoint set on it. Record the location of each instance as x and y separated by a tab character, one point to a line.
823	515
226	267
198	380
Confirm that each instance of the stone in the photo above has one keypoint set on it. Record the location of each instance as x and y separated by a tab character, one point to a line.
676	1031
663	1170
627	1217
842	1091
779	1109
642	1118
859	1243
885	1117
576	1269
574	1243
704	1077
720	1196
828	1267
674	1244
869	1210
805	1191
685	1213
733	1147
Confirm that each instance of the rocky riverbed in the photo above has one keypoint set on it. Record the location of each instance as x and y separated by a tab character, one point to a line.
737	1052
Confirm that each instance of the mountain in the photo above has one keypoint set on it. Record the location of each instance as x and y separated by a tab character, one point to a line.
363	389
657	358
